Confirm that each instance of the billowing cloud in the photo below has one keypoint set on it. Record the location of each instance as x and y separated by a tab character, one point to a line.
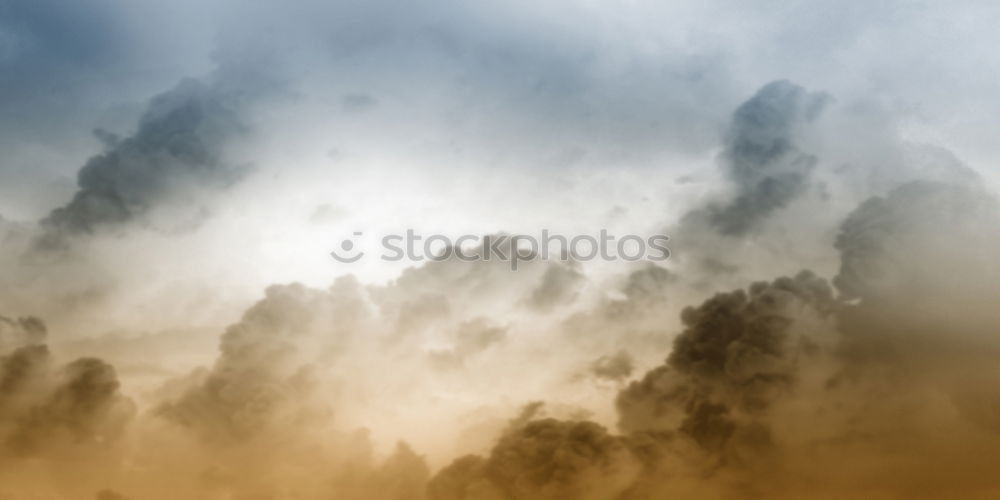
761	378
170	364
543	459
177	150
762	158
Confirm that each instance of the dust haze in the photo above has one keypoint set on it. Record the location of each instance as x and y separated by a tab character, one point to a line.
172	325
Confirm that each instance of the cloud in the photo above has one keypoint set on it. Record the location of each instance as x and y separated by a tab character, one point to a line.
617	367
765	387
542	459
20	332
177	150
261	381
44	409
559	285
762	158
886	242
737	353
84	407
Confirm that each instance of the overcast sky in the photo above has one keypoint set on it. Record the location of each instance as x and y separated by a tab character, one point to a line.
533	85
310	120
174	175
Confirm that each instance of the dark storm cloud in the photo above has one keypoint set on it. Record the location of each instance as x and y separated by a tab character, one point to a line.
178	147
85	406
762	157
919	265
66	68
781	371
488	82
737	353
542	459
42	407
882	242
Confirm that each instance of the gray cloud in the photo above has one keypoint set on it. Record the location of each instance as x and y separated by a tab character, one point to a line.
737	353
762	158
769	391
617	367
883	242
43	409
178	147
542	459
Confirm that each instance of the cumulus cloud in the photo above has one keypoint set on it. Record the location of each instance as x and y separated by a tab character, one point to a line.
763	377
261	381
542	459
756	380
84	408
880	382
53	416
762	157
884	241
738	353
177	149
765	167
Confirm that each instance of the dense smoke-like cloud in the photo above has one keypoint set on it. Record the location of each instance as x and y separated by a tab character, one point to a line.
738	352
919	263
542	459
177	150
265	375
759	382
261	380
57	421
762	157
892	246
763	382
396	384
84	408
756	380
767	164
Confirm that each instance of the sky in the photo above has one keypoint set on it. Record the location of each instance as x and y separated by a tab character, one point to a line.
175	176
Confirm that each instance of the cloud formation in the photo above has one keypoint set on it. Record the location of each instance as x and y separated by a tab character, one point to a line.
761	155
177	150
165	369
